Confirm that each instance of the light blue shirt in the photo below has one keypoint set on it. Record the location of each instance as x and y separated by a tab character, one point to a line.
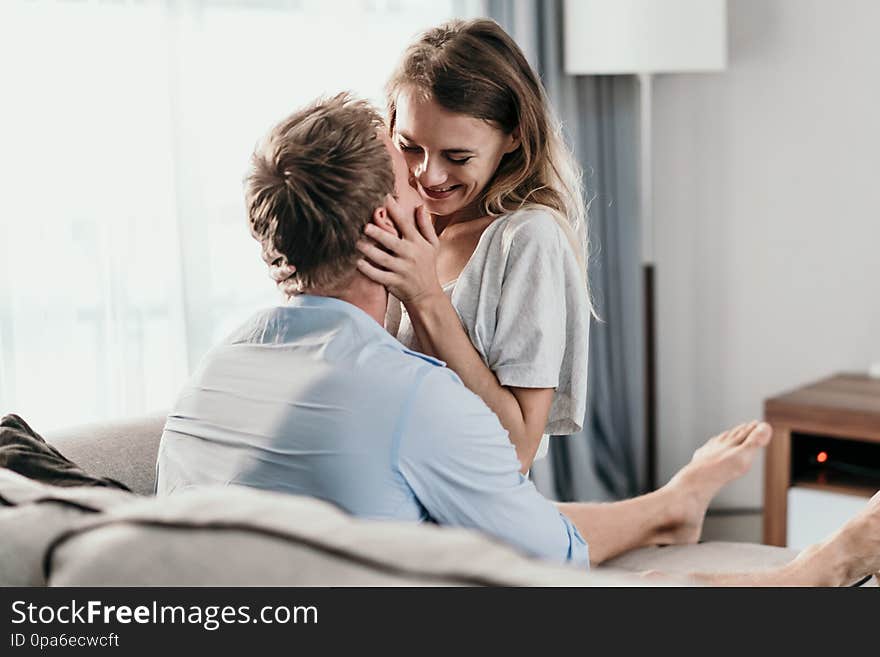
316	398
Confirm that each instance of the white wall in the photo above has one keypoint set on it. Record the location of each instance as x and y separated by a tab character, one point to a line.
767	203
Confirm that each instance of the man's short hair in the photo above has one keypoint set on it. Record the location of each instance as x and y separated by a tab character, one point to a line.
314	184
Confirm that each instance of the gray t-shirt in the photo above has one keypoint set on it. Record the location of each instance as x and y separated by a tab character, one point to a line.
523	302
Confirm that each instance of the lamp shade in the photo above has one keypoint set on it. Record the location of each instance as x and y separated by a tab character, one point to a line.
606	37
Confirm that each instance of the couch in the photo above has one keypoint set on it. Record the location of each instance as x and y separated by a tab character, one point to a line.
235	536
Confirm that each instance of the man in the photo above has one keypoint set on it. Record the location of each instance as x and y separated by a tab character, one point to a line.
315	398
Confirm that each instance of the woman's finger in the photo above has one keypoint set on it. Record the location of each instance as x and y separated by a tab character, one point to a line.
383	237
426	225
405	222
375	274
376	255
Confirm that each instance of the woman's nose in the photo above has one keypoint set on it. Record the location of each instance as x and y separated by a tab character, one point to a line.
429	173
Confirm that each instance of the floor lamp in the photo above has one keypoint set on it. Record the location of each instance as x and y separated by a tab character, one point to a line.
645	37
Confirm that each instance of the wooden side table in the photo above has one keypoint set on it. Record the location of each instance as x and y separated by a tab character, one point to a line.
845	407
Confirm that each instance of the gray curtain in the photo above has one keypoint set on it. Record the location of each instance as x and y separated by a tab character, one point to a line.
600	116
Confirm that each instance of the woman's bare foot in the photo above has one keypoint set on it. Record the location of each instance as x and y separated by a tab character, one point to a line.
855	547
722	459
847	556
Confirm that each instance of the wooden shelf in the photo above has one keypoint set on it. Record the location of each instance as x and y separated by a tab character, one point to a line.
843	406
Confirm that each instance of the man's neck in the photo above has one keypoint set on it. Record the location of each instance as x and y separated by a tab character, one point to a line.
370	297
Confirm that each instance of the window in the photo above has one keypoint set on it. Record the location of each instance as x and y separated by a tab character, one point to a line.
127	128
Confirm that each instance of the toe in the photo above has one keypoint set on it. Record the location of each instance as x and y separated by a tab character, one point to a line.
760	435
740	433
730	436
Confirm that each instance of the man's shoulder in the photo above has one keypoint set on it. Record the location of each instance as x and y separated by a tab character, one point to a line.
436	362
257	327
359	352
440	404
288	324
446	428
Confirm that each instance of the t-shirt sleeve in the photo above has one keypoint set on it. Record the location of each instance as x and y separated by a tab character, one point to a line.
528	346
459	462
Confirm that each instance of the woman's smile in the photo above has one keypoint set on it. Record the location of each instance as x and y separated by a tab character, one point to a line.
452	157
440	192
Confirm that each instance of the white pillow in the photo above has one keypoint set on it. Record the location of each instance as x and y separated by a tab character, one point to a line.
32	515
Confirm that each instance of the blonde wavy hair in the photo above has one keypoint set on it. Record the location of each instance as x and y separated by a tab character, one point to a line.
475	68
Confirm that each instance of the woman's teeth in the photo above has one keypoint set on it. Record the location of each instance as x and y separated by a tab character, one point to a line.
440	192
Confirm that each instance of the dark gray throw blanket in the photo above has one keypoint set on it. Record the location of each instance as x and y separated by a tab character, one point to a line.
24	451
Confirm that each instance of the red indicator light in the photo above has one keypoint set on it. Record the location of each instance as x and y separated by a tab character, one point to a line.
821	457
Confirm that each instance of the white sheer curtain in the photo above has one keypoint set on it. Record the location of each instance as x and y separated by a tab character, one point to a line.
125	132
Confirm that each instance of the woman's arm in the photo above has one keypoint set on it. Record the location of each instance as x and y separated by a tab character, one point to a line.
522	411
408	270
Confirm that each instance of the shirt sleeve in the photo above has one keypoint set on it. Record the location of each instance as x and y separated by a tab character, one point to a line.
457	458
528	346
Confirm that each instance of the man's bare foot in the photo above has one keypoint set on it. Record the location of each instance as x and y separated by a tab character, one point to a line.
722	459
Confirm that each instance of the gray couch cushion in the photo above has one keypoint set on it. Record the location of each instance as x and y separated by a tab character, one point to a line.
717	557
237	536
124	450
32	515
712	557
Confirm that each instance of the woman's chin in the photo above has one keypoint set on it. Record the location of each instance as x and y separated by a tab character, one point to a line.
440	208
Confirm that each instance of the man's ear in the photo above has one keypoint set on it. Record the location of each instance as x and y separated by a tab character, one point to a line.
383	221
515	141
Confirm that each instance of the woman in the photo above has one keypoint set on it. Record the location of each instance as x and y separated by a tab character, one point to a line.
496	287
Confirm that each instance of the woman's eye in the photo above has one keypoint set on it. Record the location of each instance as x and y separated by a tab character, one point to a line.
409	149
461	160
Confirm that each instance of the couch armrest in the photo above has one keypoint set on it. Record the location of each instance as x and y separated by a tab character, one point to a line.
122	449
